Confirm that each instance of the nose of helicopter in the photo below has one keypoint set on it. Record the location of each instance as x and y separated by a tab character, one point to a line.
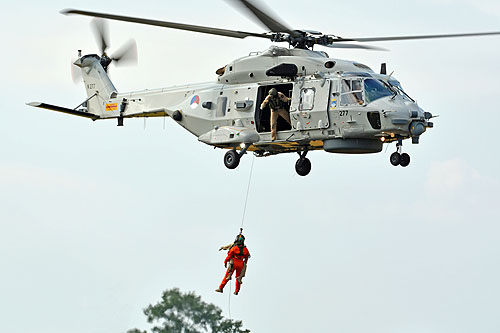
419	124
406	118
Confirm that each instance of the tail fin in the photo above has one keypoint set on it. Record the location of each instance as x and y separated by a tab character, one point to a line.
97	83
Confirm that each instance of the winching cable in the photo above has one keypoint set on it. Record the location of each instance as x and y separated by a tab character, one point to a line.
246	198
241	229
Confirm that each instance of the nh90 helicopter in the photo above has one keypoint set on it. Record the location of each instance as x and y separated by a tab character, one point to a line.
338	106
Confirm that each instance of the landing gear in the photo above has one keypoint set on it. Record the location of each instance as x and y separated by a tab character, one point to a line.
405	160
232	157
303	164
395	158
398	158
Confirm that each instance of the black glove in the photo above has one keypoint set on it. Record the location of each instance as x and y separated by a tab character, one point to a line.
225	264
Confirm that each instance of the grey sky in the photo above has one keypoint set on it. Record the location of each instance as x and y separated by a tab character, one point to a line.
96	221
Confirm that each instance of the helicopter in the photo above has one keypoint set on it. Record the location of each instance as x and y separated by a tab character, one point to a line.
335	105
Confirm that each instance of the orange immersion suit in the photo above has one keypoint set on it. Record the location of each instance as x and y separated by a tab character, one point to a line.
239	260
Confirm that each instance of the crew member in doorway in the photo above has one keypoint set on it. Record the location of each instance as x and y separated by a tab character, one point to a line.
237	258
276	101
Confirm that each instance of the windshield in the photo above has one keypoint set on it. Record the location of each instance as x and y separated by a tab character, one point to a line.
397	86
375	89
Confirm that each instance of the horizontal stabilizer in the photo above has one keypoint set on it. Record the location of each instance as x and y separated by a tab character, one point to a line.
64	110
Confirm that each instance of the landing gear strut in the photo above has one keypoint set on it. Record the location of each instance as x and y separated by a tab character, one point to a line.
303	165
398	158
232	157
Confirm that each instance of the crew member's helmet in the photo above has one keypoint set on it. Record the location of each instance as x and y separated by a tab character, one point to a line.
273	92
240	239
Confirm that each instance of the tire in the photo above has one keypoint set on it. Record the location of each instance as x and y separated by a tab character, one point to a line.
395	159
231	159
303	166
405	160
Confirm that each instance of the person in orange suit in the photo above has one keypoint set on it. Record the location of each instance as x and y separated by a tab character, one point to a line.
237	257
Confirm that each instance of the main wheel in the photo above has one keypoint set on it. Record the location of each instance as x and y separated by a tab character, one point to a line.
395	158
231	159
303	166
405	160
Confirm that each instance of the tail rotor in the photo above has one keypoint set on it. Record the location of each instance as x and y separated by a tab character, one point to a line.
125	55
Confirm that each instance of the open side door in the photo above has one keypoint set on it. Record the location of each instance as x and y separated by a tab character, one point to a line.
309	109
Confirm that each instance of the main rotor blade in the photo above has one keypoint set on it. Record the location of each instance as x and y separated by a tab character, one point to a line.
274	24
100	29
383	39
180	26
354	46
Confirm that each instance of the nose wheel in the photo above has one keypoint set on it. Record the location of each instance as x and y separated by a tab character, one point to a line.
398	158
303	164
405	160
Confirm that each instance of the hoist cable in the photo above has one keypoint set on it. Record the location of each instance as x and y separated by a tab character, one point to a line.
246	198
241	229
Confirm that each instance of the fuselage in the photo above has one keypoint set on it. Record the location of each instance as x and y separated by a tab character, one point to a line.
331	100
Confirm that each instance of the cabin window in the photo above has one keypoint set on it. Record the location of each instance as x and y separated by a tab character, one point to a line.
221	106
352	92
306	99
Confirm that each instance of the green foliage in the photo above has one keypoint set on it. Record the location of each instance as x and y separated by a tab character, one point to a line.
187	313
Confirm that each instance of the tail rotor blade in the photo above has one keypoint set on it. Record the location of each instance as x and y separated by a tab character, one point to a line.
76	73
127	54
100	29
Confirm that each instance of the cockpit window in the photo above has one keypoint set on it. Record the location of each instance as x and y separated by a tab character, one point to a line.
361	91
395	83
352	92
375	89
397	86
